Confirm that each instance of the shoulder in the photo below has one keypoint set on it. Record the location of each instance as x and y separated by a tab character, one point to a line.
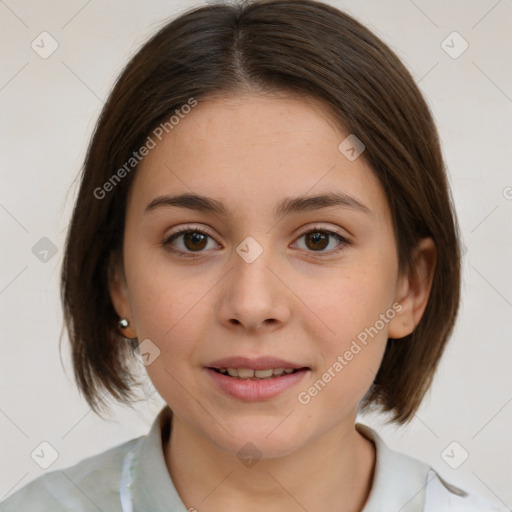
90	485
440	496
410	485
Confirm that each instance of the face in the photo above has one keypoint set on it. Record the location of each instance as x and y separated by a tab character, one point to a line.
251	285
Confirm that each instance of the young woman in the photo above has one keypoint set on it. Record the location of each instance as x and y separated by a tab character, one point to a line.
264	222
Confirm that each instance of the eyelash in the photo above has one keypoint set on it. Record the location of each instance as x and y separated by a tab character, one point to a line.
343	242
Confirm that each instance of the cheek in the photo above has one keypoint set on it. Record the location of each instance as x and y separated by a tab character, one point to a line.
168	310
174	321
171	315
164	299
356	310
354	304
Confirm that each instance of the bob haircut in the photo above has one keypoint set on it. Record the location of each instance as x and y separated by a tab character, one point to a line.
300	47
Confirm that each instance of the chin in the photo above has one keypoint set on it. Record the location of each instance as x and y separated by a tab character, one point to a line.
260	435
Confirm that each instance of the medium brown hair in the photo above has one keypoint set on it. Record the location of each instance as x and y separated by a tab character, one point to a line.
297	46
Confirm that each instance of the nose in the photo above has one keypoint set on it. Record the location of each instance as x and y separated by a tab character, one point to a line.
254	295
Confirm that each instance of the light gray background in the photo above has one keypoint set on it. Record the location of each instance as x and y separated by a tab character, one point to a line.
49	107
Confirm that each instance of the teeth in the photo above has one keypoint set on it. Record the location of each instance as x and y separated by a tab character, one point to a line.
262	374
245	373
248	373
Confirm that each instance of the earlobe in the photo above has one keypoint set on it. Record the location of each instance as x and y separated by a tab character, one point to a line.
118	290
413	290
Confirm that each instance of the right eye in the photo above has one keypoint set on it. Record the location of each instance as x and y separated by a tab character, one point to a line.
190	241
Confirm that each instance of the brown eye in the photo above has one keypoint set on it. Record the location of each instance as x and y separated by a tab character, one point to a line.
317	240
194	240
187	242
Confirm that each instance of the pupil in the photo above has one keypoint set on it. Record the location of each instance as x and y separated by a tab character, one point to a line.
317	238
195	238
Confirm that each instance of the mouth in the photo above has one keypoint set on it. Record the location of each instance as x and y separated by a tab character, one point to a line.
252	374
255	379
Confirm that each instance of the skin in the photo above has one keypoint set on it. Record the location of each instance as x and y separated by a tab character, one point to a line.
249	152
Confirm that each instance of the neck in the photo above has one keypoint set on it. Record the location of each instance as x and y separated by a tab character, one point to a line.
338	467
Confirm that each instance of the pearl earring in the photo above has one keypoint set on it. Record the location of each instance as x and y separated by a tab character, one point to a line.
124	323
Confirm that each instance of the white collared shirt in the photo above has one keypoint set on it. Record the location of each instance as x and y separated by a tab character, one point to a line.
133	477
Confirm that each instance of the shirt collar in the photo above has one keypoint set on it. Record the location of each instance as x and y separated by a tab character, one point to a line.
398	484
399	481
153	488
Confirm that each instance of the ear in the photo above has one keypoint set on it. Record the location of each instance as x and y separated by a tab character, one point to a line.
118	289
413	290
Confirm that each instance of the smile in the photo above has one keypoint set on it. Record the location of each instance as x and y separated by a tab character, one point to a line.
248	373
253	379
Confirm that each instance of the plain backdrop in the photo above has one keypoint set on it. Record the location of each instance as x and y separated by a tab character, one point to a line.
48	110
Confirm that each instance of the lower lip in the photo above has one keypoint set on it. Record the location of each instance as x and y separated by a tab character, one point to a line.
256	390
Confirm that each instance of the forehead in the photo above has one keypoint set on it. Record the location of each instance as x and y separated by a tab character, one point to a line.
253	150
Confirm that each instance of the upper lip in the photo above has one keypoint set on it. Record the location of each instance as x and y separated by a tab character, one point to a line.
257	363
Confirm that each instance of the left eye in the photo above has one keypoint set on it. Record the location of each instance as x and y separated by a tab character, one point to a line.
317	240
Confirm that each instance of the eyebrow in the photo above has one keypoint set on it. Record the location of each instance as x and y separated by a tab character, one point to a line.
290	205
